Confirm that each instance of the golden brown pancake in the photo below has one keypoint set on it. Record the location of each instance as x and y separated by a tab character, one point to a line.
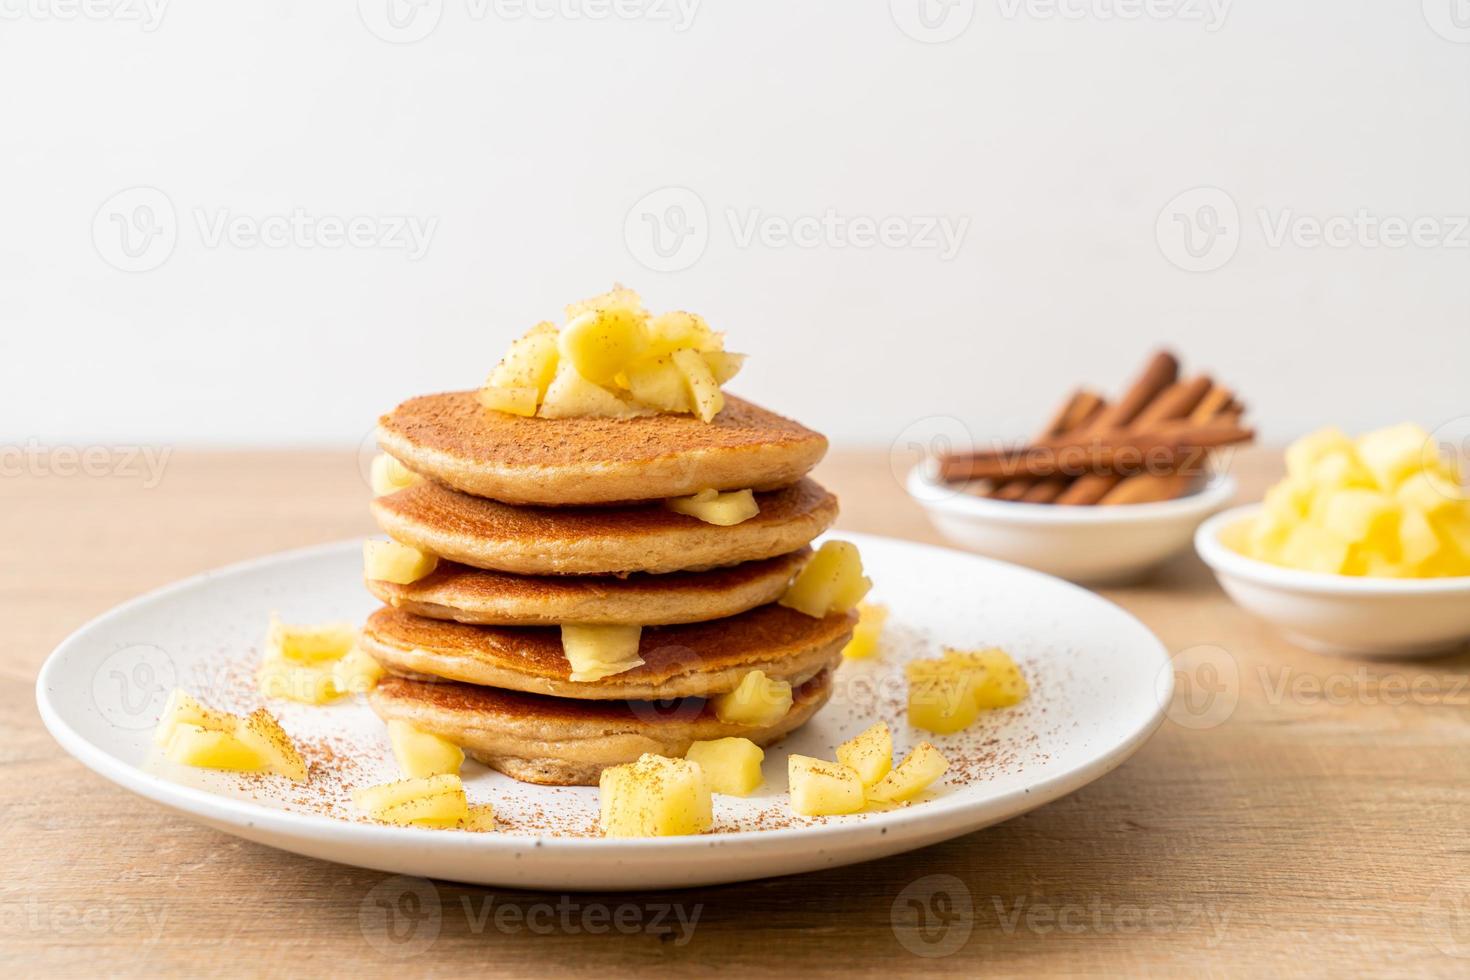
691	660
554	462
473	595
598	540
558	742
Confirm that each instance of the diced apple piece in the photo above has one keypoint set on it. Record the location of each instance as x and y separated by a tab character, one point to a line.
596	652
1360	516
573	396
714	507
832	581
356	673
1418	541
867	632
654	797
388	475
1001	683
183	709
268	740
421	753
658	383
672	331
618	298
820	788
519	400
1394	453
1341	469
384	795
1430	492
731	766
723	364
530	362
481	817
758	701
313	644
277	678
1302	456
914	775
943	703
436	801
447	809
869	754
602	343
708	399
390	561
191	745
1313	549
1289	500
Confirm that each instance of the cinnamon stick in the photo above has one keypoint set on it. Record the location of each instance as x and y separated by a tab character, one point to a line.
1214	406
1075	414
1099	454
1174	402
1161	371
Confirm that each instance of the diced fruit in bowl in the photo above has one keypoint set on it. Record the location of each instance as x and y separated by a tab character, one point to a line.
820	788
1387	505
731	766
654	797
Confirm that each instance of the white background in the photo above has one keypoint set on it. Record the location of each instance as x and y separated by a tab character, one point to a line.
1060	139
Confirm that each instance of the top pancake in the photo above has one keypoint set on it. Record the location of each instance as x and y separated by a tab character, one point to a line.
597	540
558	462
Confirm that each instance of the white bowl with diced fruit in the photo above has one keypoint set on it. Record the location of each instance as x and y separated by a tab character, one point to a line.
1088	545
1363	549
1338	614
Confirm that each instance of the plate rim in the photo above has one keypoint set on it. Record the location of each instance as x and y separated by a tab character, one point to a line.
936	819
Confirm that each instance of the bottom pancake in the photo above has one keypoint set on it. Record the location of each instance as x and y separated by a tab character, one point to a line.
560	742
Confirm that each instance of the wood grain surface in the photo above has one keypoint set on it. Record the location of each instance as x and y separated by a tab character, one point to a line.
1318	823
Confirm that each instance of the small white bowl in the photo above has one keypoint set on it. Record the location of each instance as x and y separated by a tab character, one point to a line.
1084	544
1345	615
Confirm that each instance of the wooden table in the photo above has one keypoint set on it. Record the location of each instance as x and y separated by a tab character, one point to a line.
1322	827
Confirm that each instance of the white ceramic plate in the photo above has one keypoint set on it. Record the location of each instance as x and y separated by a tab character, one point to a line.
1099	681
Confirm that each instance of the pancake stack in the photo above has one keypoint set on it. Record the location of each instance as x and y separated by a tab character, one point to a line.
542	523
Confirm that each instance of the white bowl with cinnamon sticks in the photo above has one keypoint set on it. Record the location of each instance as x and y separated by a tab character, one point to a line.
1337	614
1106	491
